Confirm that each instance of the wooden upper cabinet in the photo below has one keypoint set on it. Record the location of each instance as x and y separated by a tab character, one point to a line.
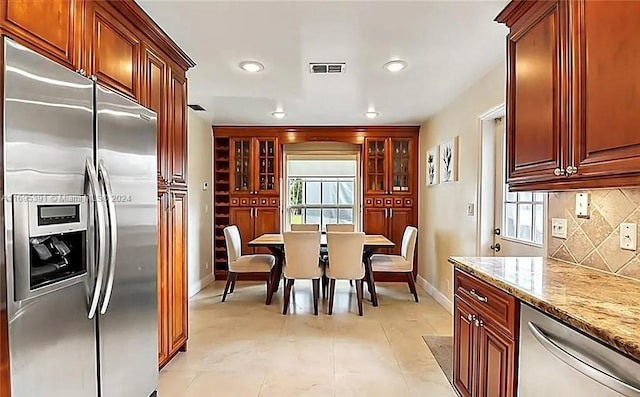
254	166
401	167
537	94
241	165
177	133
376	175
154	96
606	118
51	27
114	50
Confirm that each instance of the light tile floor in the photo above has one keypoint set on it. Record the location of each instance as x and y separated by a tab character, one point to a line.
244	348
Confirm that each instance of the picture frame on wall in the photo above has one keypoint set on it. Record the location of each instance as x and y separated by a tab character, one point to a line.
433	164
449	160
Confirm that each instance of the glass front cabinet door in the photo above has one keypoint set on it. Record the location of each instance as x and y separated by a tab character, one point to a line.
400	172
267	166
375	166
241	161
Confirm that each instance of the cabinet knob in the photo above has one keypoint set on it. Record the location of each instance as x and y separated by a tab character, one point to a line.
571	170
558	172
479	323
81	72
471	317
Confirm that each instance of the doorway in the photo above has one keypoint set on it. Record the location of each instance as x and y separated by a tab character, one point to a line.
509	223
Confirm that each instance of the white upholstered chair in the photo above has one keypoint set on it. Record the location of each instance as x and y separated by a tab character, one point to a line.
345	262
342	227
402	263
301	251
239	263
305	227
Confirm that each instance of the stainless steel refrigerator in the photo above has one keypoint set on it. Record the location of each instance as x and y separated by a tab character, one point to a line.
80	231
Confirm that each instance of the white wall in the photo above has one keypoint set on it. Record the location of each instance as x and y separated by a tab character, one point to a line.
200	250
445	228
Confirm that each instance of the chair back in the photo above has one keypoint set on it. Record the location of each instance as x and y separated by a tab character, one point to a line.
301	252
234	243
305	227
345	255
408	247
342	227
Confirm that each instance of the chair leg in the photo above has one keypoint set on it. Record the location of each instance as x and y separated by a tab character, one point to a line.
359	288
231	277
325	286
332	292
287	295
412	285
233	285
350	283
316	294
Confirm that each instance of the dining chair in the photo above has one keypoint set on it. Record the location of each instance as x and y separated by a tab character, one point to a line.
402	263
301	251
305	227
340	227
239	263
345	262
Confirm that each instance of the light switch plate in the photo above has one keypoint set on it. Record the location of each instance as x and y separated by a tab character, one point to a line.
582	205
559	228
628	236
470	209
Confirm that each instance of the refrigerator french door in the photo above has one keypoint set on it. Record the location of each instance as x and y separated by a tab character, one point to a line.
80	225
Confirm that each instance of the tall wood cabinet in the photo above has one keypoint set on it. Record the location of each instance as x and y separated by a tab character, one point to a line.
572	94
485	334
125	50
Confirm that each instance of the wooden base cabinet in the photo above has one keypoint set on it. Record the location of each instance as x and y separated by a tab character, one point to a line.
572	119
253	222
485	339
172	274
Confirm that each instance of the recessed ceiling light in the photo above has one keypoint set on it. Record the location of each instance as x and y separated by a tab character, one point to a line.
251	66
278	115
371	114
395	65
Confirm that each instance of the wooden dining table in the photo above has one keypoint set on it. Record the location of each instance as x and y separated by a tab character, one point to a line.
275	244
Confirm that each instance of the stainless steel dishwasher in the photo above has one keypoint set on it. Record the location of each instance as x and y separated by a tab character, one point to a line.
556	360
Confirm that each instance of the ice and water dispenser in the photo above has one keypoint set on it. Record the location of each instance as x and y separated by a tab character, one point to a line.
50	242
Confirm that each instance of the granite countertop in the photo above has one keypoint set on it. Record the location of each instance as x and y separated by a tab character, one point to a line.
603	305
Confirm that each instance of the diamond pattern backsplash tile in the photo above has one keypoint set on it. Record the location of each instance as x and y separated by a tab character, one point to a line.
595	242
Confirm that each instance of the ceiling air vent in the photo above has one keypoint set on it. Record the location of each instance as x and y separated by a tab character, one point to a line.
327	68
197	108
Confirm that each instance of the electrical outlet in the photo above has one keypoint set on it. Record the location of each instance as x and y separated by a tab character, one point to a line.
628	236
206	265
559	228
206	208
582	205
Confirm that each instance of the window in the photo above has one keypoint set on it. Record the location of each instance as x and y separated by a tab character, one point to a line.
523	216
321	191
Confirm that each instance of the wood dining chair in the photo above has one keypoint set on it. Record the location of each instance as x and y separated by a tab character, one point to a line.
301	251
402	263
345	263
305	227
239	263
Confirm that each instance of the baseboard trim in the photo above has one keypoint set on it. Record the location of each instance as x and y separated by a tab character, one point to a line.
435	293
197	286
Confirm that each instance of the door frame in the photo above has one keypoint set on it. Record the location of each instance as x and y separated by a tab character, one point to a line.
486	180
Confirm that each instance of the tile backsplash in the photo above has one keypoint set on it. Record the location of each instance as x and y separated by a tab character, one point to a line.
595	242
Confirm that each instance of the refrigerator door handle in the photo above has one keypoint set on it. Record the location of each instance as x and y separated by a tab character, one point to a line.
113	234
94	188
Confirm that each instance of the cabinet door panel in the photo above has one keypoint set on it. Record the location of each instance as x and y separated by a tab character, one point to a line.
114	51
50	27
376	173
401	168
241	164
267	220
375	221
537	94
463	348
496	363
266	166
243	218
178	327
178	127
163	286
154	97
607	141
399	219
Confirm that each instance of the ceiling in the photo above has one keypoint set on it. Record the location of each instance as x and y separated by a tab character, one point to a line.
448	45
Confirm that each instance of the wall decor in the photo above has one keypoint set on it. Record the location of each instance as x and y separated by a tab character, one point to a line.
433	164
449	160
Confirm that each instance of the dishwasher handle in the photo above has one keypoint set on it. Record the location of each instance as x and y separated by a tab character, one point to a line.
609	380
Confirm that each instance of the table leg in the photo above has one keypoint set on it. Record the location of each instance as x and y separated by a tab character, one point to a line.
276	273
371	284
